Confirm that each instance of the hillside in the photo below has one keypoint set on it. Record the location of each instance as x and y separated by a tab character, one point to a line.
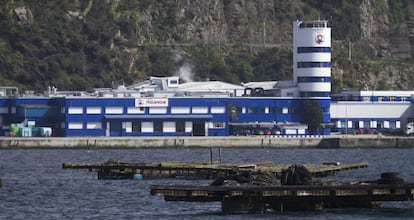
81	44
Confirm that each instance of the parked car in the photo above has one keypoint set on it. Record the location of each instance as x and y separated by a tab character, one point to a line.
276	131
267	132
242	132
258	131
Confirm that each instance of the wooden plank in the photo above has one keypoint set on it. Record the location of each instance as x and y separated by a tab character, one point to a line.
372	192
201	169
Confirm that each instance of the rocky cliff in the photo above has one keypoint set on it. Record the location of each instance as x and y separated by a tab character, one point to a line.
81	44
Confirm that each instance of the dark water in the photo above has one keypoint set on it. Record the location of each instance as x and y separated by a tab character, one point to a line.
36	187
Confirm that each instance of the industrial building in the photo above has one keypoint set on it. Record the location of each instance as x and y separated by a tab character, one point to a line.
163	106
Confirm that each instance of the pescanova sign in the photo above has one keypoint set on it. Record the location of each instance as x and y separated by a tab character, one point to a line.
151	102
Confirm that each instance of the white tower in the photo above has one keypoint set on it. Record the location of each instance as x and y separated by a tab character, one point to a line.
312	58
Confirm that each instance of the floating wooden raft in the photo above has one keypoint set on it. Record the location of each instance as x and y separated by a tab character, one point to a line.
121	170
263	199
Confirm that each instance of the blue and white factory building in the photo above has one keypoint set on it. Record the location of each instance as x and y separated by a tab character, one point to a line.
162	106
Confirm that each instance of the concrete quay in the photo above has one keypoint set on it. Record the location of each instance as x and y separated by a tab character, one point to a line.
332	141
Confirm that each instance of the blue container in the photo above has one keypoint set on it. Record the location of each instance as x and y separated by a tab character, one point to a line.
137	176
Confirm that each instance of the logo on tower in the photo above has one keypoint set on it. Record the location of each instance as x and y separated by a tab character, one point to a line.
319	38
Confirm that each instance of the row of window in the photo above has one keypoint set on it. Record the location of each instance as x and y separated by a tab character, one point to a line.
369	124
314	25
152	110
389	99
315	94
313	64
186	110
178	110
79	125
314	49
314	79
147	126
372	98
264	110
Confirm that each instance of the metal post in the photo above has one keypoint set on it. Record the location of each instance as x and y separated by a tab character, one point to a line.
219	155
211	155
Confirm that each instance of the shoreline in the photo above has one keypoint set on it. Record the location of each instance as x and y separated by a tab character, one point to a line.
332	141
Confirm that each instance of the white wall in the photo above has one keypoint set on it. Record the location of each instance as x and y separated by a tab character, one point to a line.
368	110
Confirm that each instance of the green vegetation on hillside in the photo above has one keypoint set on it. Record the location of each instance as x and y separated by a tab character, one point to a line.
81	44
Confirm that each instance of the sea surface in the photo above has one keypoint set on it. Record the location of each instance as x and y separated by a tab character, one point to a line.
36	187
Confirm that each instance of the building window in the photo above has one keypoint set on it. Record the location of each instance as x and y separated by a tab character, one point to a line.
127	126
114	110
180	110
314	79
75	110
188	126
393	125
313	64
93	110
94	125
218	110
314	49
168	127
147	127
314	94
380	124
199	110
173	82
136	110
75	125
218	125
158	110
366	98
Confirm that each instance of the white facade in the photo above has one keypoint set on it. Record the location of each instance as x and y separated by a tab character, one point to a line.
312	58
365	110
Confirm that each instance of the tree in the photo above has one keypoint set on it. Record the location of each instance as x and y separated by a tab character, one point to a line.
312	115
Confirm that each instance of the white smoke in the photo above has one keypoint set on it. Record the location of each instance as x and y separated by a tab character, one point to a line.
177	57
185	72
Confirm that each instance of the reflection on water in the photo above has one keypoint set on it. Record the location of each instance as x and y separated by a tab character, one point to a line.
36	187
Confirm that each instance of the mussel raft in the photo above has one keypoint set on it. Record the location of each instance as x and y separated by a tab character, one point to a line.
297	190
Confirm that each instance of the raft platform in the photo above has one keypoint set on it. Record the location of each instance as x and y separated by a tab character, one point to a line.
203	170
268	199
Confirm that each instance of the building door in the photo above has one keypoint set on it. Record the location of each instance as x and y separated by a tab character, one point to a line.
199	129
116	128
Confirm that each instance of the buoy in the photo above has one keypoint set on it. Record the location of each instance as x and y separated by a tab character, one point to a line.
137	176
